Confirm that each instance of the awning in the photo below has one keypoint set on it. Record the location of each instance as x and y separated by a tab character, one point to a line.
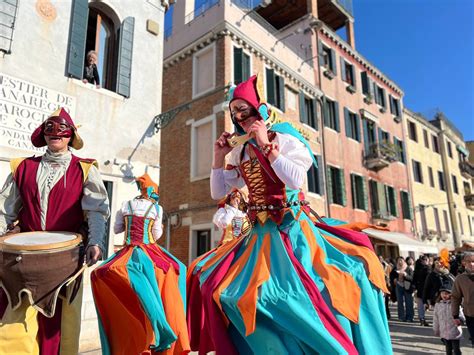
463	150
403	241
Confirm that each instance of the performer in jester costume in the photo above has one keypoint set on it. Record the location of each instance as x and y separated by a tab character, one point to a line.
293	285
140	291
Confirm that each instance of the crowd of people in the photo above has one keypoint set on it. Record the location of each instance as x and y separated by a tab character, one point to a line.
442	284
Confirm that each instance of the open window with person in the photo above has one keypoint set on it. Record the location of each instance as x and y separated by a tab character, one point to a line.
100	48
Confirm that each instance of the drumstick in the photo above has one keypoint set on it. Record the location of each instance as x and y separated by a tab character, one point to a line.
81	270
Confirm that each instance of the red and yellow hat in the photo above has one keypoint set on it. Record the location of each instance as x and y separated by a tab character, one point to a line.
37	137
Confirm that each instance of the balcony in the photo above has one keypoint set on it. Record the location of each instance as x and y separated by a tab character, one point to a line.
469	200
335	13
380	155
467	169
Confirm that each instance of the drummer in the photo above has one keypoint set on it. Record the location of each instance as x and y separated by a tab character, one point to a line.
53	192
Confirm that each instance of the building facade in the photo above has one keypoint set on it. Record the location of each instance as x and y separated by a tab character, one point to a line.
348	109
441	181
42	55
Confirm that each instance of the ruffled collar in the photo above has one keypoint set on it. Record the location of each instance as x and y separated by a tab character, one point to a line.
60	158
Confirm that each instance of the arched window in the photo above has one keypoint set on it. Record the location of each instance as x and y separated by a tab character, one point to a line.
96	27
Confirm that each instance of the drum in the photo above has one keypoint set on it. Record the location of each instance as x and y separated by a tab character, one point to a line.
38	264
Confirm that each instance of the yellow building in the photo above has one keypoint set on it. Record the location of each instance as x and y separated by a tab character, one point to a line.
440	178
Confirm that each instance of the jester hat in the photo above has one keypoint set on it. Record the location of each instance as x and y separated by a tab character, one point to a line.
148	188
37	137
252	92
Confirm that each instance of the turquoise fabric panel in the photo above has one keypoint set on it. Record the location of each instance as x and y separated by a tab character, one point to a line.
181	277
105	347
146	236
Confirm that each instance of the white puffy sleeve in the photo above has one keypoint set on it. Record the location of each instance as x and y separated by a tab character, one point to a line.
224	215
10	204
157	229
223	180
293	162
119	225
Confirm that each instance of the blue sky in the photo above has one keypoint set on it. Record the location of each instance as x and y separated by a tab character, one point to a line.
426	47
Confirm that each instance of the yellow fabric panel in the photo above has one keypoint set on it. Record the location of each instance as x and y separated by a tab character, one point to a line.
71	322
86	166
15	163
18	329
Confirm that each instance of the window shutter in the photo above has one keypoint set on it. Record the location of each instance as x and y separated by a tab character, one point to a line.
270	86
343	71
392	107
77	38
333	61
353	69
245	67
315	114
303	115
281	93
404	159
399	109
395	206
357	127
336	117
238	65
321	174
330	183
124	76
342	184
365	82
380	135
321	53
326	112
347	123
366	135
382	197
311	183
365	194
410	206
383	99
353	191
373	88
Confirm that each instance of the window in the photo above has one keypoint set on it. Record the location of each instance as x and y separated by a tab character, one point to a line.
315	178
169	21
203	241
400	148
336	186
412	131
291	97
407	211
384	136
204	73
455	184
442	185
467	188
308	111
7	23
327	58
331	114
275	89
352	121
378	199
370	134
450	150
460	223
241	65
359	192
348	73
435	144
417	172
446	222
380	96
203	134
425	138
395	106
436	216
430	175
391	201
367	84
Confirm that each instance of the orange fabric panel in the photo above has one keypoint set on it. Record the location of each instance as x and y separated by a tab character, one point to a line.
341	286
220	252
374	267
360	226
248	302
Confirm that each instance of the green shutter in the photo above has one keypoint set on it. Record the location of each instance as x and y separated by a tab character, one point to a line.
281	87
357	126
410	206
314	106
270	75
321	174
124	75
354	80
238	65
395	205
320	53
246	70
337	126
365	194
382	198
390	100
329	183
326	112
343	72
333	62
77	38
366	136
353	191
342	184
365	82
347	122
303	116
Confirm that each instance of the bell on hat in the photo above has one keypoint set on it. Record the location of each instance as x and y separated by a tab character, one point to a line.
37	137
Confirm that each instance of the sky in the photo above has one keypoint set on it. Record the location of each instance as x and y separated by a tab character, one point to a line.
426	48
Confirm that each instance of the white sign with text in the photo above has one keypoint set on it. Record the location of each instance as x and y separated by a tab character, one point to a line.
23	107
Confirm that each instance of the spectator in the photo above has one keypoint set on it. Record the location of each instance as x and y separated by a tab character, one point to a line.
419	277
91	74
393	277
463	291
434	281
403	289
444	325
387	269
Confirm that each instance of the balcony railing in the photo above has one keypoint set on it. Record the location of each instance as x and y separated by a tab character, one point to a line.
201	10
469	200
380	155
346	5
467	169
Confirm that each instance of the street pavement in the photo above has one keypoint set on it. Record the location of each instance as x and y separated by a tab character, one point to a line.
407	338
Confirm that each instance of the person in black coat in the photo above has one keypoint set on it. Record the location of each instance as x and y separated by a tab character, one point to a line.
422	270
434	281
